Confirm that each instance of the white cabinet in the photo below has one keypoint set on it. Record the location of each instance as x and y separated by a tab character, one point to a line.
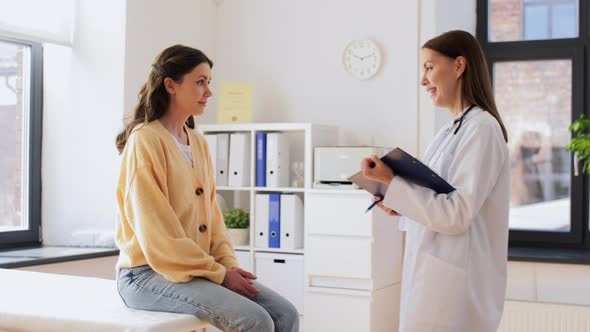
352	311
353	263
282	273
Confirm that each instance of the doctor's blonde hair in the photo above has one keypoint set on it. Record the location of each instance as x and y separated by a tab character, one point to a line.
476	87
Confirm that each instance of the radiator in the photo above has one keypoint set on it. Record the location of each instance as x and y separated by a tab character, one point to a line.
544	317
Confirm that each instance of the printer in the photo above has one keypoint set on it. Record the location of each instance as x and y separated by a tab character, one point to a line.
334	164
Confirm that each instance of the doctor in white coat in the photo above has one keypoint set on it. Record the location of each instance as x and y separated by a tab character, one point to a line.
454	276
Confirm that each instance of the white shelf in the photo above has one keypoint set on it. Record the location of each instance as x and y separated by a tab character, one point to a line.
274	250
281	189
226	188
338	191
337	291
282	251
210	128
266	189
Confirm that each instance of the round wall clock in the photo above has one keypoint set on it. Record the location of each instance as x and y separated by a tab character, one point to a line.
362	58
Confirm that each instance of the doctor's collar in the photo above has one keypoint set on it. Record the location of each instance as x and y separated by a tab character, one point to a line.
460	119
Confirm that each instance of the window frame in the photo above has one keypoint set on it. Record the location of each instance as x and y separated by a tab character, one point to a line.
31	236
576	50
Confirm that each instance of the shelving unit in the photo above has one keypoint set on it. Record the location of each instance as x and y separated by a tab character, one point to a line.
303	137
348	274
301	151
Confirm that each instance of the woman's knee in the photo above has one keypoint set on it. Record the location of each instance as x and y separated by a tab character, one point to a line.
288	319
258	320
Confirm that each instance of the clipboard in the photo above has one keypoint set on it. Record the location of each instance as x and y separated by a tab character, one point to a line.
405	165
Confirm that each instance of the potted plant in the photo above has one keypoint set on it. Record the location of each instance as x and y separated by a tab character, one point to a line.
580	143
237	222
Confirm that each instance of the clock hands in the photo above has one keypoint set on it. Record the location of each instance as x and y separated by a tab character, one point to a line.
362	58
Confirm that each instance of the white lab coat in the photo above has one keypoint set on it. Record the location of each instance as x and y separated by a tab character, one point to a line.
454	276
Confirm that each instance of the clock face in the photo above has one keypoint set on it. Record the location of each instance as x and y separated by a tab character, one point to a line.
362	58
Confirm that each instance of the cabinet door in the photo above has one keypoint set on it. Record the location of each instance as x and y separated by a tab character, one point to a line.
284	274
339	256
338	214
337	312
327	310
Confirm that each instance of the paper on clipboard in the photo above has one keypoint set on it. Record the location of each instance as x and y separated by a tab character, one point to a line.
409	168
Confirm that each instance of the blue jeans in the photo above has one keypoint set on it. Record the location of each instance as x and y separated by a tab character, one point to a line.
144	289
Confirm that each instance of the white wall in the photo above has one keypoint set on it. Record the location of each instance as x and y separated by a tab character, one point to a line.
153	25
83	96
545	282
87	88
292	52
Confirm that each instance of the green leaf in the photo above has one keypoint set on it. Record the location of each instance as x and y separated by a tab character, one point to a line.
237	218
580	141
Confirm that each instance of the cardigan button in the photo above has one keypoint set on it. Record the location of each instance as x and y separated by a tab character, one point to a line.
203	228
199	191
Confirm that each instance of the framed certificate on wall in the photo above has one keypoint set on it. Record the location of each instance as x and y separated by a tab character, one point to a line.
235	103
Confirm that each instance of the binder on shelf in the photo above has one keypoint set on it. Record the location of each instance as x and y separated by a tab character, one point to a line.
277	160
222	159
239	160
212	144
261	220
261	159
274	220
291	222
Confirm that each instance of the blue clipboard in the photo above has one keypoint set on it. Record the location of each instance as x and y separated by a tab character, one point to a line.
405	165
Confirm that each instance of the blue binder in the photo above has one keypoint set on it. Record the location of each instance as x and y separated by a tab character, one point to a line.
409	168
274	220
261	159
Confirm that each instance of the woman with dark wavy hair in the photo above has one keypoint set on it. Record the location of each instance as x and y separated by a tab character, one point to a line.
175	254
454	275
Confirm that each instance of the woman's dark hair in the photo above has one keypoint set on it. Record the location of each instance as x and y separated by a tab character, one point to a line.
173	62
477	86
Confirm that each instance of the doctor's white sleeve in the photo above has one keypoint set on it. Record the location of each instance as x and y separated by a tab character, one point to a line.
474	170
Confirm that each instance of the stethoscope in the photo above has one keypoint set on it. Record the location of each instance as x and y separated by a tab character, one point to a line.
460	120
436	151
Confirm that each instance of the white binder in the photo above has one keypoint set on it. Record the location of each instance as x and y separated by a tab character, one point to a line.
222	159
291	222
277	160
239	160
261	220
212	143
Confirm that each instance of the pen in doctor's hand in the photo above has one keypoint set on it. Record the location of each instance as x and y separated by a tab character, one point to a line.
380	198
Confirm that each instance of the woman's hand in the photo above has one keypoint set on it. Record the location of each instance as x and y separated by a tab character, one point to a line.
375	169
387	210
240	281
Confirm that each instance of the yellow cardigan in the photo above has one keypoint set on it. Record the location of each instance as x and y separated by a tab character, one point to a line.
168	216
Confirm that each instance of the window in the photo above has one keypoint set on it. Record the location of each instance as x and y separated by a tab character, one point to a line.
20	142
513	20
537	51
